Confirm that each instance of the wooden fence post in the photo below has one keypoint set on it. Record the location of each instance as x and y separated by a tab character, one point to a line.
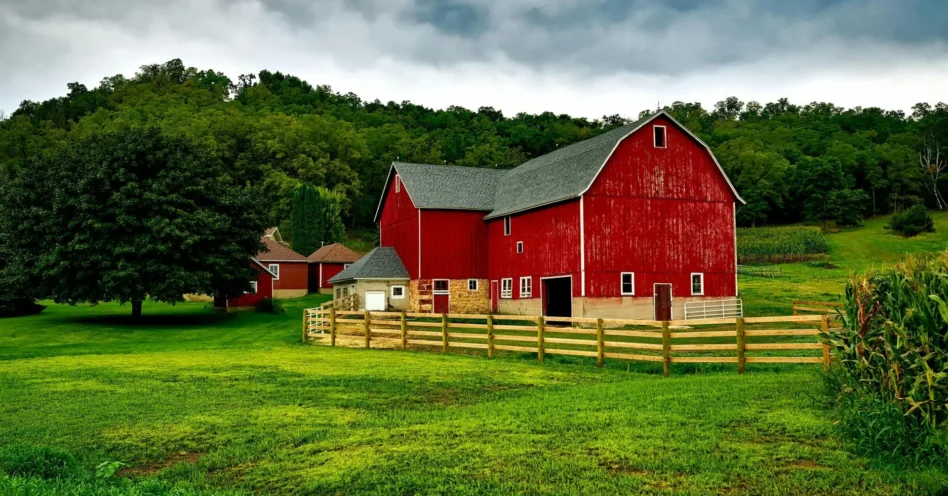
599	340
305	312
824	324
490	336
741	359
368	334
404	332
666	348
332	327
540	339
444	333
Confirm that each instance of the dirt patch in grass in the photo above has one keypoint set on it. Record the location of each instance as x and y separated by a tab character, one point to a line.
152	468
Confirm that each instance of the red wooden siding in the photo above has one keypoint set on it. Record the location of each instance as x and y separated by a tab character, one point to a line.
550	246
453	244
662	214
264	291
293	275
398	227
328	271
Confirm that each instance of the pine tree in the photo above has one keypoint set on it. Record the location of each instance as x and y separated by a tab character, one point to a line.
305	220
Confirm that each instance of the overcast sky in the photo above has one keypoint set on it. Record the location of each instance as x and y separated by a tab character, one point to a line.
582	57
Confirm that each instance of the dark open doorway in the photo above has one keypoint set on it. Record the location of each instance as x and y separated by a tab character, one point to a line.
558	297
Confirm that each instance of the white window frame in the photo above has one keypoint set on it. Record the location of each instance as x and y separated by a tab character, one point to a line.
506	288
345	266
476	284
622	283
507	227
526	291
691	283
395	296
434	284
398	184
275	270
253	288
664	135
519	246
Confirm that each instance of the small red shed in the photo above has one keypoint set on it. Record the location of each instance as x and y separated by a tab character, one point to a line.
261	288
325	263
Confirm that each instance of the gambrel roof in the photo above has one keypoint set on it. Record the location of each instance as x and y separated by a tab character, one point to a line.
557	176
380	263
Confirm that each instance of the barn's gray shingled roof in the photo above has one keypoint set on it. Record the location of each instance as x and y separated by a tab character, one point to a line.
449	186
557	176
380	263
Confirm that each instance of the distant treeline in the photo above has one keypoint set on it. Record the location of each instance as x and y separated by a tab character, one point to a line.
274	131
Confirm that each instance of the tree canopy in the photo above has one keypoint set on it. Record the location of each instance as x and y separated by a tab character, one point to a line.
275	131
126	215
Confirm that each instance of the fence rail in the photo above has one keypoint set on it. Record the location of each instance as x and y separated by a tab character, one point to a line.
831	308
721	340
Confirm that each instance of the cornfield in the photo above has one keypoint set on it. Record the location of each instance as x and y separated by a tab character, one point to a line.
780	244
893	355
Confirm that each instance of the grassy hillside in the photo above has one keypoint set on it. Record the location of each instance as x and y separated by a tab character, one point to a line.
200	402
851	250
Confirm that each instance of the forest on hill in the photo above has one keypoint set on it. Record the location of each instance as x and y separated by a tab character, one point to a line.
273	131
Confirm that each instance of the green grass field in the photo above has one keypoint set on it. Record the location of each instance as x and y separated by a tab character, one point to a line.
196	402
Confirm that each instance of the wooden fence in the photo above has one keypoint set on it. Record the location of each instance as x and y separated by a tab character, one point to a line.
804	307
786	339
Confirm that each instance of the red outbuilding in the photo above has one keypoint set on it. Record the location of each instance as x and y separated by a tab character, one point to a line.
260	289
325	263
290	269
634	223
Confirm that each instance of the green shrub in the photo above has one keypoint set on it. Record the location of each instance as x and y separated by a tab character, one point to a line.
892	374
269	305
780	244
912	222
36	461
15	307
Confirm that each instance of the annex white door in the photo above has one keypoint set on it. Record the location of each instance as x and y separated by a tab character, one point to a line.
375	301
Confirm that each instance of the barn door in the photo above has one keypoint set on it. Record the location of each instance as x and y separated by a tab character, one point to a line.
441	303
493	296
663	301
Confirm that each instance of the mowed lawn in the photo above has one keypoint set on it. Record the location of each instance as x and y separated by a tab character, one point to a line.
851	250
196	402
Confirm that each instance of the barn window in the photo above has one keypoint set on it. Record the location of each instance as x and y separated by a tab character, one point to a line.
338	293
275	269
519	246
628	283
253	287
697	284
507	226
398	185
526	287
472	284
441	285
398	292
345	266
660	137
506	288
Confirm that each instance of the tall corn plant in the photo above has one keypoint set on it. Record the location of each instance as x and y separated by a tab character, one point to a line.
893	351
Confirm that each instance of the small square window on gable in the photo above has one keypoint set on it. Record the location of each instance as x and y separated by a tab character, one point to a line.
660	138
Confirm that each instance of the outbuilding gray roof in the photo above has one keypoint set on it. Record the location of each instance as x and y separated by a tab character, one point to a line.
380	263
557	176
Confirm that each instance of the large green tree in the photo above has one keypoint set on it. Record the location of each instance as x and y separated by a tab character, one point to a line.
126	216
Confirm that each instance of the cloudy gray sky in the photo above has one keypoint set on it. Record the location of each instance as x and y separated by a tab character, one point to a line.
583	57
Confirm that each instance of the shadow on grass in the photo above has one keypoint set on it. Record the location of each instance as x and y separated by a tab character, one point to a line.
165	320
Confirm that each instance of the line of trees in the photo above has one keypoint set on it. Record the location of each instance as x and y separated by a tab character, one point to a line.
815	162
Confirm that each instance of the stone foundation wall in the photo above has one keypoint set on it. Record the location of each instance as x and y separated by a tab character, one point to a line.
462	300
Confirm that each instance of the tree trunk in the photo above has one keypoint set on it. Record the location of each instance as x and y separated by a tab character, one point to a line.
137	309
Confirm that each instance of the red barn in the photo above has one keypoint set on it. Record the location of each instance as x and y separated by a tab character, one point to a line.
631	223
325	263
290	269
261	288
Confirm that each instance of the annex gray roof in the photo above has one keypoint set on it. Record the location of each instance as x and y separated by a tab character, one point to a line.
380	263
448	187
557	176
